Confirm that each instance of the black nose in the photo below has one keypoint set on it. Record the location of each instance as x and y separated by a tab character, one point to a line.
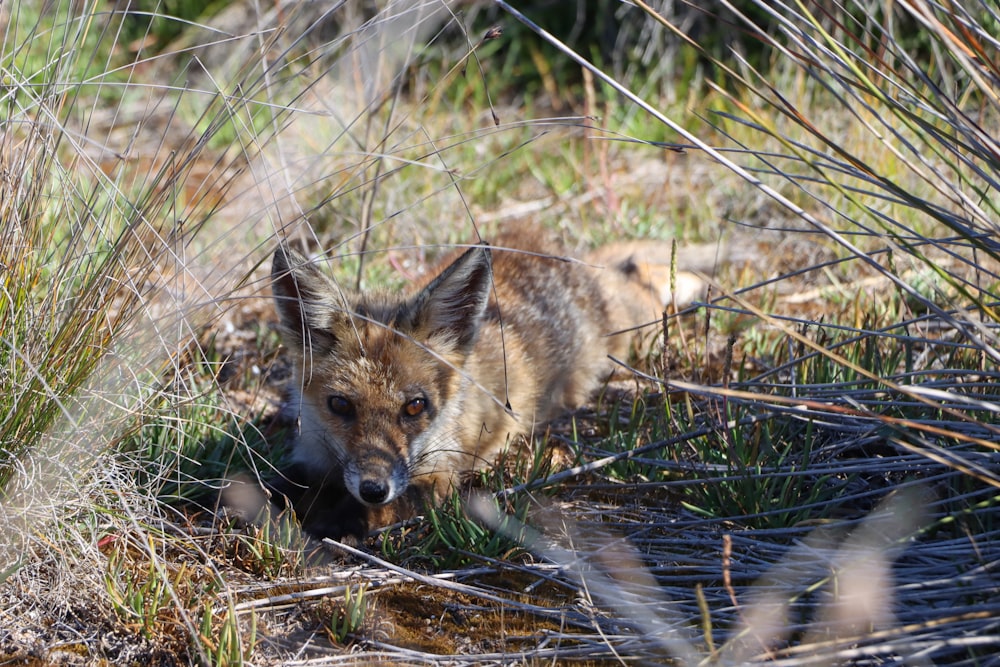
373	491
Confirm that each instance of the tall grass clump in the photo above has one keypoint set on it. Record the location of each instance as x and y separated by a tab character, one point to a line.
103	190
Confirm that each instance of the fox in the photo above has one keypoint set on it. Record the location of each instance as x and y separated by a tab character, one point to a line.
398	396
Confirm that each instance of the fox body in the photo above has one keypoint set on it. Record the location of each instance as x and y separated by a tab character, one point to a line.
399	395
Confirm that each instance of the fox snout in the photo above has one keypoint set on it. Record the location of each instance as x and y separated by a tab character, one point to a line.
377	478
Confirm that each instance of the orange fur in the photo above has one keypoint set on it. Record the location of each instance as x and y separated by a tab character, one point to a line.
399	395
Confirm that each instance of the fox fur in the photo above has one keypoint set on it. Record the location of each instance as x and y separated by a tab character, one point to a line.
398	396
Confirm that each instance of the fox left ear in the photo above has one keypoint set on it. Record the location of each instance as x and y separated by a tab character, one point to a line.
453	304
303	298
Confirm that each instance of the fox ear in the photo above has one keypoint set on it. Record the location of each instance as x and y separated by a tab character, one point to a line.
302	295
453	304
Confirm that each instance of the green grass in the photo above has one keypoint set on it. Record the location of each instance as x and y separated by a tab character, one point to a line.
847	361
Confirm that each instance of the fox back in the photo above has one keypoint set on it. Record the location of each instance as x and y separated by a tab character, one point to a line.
399	395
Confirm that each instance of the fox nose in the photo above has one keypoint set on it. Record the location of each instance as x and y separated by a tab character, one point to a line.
373	491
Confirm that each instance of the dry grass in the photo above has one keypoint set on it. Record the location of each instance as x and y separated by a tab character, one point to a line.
812	480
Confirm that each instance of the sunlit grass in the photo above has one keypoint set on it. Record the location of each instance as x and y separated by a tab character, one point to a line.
849	353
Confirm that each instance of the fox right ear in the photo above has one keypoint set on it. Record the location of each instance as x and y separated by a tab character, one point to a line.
453	304
302	295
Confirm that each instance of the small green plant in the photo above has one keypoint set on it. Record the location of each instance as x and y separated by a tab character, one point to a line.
448	537
139	597
270	549
349	617
224	641
144	589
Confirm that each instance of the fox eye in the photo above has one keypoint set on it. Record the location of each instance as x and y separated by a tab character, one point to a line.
415	407
340	406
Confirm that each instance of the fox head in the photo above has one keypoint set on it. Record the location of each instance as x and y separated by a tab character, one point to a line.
377	377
